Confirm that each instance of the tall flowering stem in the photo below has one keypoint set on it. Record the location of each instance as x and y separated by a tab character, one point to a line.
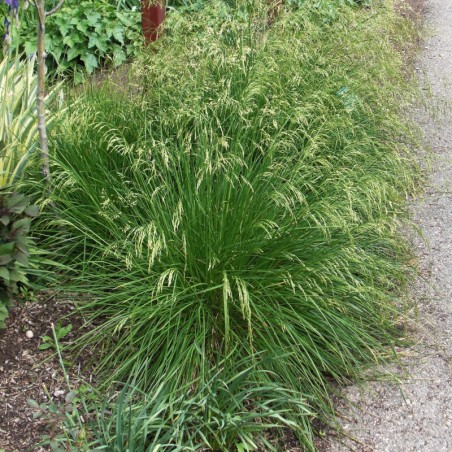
41	59
6	35
13	5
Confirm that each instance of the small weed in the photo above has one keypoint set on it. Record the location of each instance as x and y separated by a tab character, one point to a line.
60	333
67	432
27	294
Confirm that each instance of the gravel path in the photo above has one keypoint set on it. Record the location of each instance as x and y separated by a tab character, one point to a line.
417	416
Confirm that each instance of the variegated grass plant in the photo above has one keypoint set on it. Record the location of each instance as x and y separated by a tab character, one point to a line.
18	119
18	124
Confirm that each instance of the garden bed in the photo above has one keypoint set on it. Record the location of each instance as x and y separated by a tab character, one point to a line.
238	235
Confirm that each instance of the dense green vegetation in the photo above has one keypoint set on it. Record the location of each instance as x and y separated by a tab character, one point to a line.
244	200
231	220
88	35
85	35
18	142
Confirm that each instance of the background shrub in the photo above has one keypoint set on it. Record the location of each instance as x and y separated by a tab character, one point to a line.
84	35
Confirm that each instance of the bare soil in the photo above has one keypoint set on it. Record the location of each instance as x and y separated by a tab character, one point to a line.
29	373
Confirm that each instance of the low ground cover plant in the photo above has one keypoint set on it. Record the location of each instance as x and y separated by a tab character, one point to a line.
244	200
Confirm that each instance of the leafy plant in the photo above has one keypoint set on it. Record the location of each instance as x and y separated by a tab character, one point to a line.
18	119
16	214
3	314
18	142
53	414
60	331
18	125
84	35
27	294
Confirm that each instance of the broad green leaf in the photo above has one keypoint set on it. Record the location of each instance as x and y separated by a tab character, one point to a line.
6	248
72	53
33	403
22	259
118	34
90	61
5	275
32	211
5	219
93	18
45	346
23	223
119	57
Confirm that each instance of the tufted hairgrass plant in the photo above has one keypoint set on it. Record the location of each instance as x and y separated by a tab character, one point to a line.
246	196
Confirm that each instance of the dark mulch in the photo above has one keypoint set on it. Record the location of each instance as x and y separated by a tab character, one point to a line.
25	372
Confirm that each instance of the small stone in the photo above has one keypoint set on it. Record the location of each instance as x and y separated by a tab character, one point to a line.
58	393
29	334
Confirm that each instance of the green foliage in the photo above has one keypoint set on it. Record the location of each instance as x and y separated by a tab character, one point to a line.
18	120
83	36
190	5
3	314
60	331
54	414
216	414
248	195
18	142
16	215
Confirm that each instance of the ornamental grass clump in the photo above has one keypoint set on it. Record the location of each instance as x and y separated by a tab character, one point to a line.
247	196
